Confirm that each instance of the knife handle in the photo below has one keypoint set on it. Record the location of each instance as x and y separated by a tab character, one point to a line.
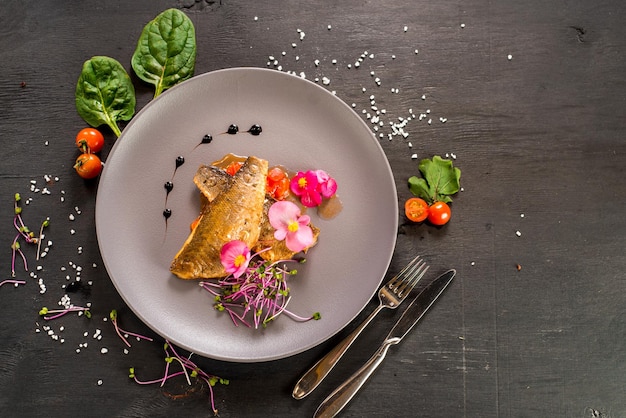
314	376
340	397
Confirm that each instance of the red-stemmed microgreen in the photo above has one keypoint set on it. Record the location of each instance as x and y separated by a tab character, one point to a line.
57	313
44	224
123	334
189	369
17	250
25	234
261	291
14	282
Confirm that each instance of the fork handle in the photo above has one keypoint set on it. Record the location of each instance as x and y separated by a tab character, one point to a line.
340	397
314	376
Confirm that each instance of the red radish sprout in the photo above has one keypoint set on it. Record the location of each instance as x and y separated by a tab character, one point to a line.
123	334
189	369
261	291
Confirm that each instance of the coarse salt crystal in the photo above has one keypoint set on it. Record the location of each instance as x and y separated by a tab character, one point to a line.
518	233
104	350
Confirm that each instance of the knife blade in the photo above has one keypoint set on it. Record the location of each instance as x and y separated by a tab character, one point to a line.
340	397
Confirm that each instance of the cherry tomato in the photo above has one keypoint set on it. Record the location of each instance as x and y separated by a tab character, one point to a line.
233	167
439	213
416	209
89	140
88	165
277	183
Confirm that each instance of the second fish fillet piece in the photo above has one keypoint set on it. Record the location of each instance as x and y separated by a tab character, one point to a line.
234	214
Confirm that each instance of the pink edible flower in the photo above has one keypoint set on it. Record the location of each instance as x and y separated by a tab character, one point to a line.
306	187
235	256
290	226
327	184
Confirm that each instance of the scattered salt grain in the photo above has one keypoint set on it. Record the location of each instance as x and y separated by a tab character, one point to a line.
406	28
104	350
100	382
462	25
509	57
518	233
414	156
71	217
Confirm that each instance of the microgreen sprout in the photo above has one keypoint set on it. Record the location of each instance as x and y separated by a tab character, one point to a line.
15	282
57	313
122	333
44	224
261	292
189	369
24	233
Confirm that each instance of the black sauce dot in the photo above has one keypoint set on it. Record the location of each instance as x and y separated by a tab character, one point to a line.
180	160
167	213
233	129
206	139
255	130
168	186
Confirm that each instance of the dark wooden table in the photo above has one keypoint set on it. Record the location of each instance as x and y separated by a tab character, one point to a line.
528	97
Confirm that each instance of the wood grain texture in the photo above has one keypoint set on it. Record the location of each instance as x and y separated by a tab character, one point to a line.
540	141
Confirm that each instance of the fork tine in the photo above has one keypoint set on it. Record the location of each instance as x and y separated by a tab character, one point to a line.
411	280
399	278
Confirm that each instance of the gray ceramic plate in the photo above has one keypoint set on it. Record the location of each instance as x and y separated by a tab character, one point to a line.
304	127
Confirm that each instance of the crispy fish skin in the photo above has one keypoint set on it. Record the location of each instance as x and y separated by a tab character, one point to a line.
212	181
234	214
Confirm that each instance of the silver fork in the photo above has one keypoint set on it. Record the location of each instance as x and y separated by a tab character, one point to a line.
390	296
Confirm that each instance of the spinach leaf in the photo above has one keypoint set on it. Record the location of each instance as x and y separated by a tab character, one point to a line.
440	180
166	51
104	93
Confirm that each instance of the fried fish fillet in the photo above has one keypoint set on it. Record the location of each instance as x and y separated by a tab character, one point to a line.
235	213
212	180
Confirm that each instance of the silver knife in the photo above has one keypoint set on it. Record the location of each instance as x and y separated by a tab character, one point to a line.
340	397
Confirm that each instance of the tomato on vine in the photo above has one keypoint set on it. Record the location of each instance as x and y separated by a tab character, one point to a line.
416	209
439	213
89	140
88	165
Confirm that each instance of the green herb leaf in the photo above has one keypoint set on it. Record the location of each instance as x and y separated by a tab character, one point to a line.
166	51
104	93
440	180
